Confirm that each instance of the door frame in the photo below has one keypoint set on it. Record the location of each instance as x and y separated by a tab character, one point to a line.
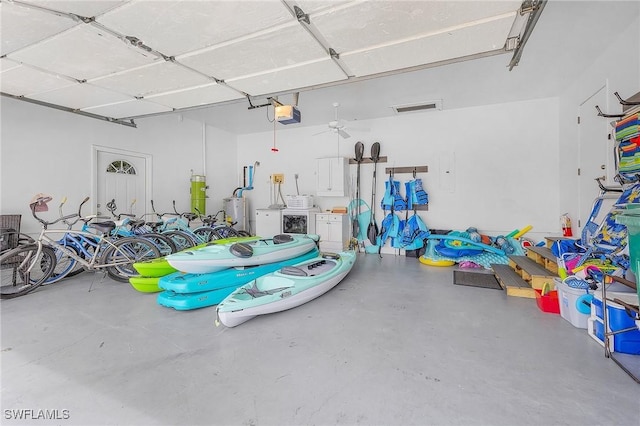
608	160
148	181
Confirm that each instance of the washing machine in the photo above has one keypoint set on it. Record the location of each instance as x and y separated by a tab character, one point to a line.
299	221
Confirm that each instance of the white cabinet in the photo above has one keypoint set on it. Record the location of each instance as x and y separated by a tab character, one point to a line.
333	230
332	177
268	222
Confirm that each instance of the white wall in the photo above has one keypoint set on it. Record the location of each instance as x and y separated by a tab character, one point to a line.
505	163
49	151
617	68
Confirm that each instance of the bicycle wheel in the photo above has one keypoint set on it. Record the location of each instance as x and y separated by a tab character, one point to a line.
23	269
64	266
124	253
181	239
205	233
163	242
224	231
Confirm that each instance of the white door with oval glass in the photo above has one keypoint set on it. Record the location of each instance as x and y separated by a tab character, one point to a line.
121	176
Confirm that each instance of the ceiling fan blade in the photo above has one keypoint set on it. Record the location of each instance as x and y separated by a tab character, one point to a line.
319	133
343	134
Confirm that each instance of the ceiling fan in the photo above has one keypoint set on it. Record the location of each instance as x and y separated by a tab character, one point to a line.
337	126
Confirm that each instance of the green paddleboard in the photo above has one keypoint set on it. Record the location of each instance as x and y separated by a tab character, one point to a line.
145	284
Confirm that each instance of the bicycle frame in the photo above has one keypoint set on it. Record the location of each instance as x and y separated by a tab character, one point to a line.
99	242
92	260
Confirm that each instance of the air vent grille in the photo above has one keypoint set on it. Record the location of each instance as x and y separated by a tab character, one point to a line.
417	107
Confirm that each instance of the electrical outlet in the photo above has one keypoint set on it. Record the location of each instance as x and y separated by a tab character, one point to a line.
278	178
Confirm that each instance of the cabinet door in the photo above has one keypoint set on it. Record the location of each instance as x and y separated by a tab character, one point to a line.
331	176
335	231
324	176
322	227
332	230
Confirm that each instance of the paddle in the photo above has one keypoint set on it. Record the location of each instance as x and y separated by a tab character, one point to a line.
372	230
354	223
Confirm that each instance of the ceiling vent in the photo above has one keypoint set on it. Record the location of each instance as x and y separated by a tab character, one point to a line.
418	107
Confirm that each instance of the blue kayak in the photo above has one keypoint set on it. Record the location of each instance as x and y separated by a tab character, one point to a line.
185	291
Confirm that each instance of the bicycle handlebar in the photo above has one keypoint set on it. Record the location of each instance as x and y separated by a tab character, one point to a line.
159	215
62	218
46	223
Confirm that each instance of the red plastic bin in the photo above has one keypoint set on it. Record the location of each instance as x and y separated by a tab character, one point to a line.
548	302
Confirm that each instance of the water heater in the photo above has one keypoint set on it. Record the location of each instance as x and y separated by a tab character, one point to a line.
235	209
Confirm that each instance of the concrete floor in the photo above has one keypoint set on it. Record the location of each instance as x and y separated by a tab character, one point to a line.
396	343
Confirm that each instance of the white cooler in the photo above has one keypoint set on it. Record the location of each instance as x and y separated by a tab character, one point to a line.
574	304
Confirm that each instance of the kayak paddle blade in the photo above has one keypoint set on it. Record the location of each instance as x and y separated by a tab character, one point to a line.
372	233
375	152
359	151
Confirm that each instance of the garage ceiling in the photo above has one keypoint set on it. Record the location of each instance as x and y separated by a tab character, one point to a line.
120	60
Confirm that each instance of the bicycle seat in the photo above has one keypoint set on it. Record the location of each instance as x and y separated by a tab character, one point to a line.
190	216
103	227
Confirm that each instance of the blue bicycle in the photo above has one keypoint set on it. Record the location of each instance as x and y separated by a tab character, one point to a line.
128	225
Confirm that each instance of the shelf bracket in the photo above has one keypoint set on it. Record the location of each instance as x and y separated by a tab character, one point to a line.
628	102
601	114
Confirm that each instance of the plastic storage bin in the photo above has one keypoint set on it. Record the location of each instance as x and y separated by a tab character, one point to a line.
569	298
618	318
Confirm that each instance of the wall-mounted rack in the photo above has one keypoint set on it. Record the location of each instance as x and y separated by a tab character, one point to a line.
632	101
626	103
368	160
413	169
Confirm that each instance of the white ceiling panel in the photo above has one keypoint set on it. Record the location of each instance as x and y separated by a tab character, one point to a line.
79	7
25	81
181	54
177	27
276	49
83	52
203	95
80	96
448	45
155	78
365	24
22	26
7	64
304	75
127	109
